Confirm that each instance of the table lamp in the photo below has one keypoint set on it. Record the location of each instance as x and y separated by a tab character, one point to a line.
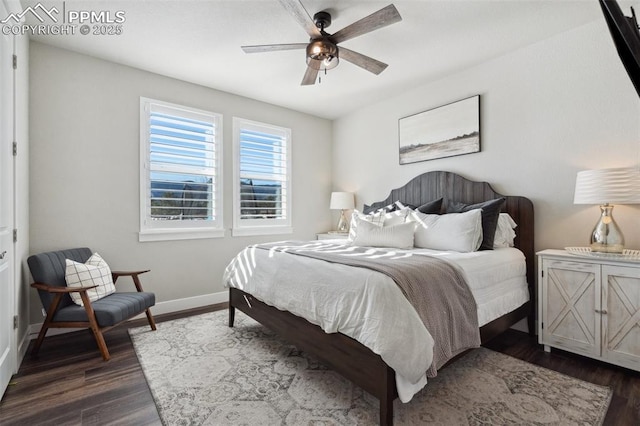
607	187
342	201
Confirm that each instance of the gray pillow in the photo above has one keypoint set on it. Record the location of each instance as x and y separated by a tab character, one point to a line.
490	213
432	207
366	209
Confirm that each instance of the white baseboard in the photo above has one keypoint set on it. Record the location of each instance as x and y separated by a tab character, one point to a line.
160	308
188	303
23	344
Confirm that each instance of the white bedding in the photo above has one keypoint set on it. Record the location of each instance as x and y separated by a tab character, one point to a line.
497	279
368	306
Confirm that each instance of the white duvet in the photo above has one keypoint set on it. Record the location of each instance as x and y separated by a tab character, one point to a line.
368	306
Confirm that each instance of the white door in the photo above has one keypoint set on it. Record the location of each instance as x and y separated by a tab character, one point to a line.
7	334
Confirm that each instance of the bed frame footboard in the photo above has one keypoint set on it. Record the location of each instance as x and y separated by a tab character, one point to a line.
350	358
341	353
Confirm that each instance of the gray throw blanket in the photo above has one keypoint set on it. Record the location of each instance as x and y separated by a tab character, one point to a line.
435	288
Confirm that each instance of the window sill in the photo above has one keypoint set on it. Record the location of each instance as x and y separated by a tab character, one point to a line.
178	234
261	230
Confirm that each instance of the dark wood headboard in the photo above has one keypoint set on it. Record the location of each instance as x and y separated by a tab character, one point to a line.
453	187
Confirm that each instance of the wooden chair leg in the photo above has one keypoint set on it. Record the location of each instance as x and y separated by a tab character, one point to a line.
152	322
138	284
95	328
39	340
102	345
47	321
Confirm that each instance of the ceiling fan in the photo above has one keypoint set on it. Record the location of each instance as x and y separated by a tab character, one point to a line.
323	52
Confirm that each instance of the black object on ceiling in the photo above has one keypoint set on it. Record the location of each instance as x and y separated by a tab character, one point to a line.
626	37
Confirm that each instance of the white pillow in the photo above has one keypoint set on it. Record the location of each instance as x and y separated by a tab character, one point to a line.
379	218
453	231
504	231
397	217
94	271
398	236
357	218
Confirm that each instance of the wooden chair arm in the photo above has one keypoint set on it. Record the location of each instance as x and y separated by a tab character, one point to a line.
116	274
60	289
132	274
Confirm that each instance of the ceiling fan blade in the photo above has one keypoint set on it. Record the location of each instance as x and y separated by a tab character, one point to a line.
300	14
385	16
311	74
363	61
273	47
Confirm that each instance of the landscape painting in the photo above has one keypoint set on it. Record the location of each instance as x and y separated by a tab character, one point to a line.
448	130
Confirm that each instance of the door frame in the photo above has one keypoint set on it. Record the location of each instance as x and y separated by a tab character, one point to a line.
9	201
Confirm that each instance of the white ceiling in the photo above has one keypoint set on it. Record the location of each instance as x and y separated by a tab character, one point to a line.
199	41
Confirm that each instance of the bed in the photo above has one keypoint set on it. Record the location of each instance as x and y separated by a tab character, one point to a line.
354	360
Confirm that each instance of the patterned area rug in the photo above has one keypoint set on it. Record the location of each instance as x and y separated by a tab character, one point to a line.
202	372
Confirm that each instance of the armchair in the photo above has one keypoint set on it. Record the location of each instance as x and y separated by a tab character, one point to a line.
48	271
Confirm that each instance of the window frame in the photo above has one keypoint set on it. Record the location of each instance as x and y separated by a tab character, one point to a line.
244	227
178	230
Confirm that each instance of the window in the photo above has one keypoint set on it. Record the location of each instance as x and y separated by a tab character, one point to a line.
262	178
180	172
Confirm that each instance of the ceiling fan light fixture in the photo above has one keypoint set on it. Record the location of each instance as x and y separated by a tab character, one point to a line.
322	51
322	54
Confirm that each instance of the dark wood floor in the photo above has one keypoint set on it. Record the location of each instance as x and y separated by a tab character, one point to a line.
69	384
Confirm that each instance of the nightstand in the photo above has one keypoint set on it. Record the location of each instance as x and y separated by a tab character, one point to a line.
332	236
590	304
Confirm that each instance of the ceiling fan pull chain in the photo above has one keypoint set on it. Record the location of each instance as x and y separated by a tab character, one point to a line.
320	76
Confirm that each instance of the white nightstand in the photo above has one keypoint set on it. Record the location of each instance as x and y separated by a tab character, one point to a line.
331	236
590	305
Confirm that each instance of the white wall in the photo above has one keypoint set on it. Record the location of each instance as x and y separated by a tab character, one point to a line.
84	117
547	111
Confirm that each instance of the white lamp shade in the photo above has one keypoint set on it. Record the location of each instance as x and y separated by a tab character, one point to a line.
341	201
608	186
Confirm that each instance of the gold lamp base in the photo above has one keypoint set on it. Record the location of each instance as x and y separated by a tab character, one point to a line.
343	225
606	236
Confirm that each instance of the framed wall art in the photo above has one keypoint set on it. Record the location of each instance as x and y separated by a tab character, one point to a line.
445	131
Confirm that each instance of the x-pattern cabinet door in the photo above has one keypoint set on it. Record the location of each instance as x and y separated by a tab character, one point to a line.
571	292
621	316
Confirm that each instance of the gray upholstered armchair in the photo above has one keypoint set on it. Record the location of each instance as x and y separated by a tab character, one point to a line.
48	270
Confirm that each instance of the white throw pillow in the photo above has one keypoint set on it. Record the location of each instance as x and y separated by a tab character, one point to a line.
397	217
504	231
453	231
376	219
94	271
397	236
